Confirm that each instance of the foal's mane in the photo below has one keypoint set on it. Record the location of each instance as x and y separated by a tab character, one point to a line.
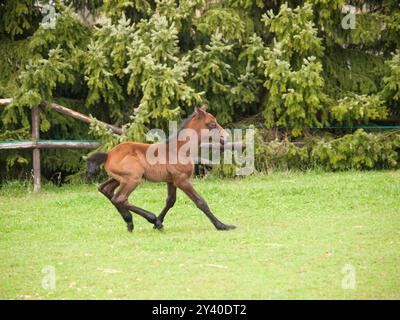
186	121
183	125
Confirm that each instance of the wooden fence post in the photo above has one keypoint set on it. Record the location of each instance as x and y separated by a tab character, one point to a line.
36	151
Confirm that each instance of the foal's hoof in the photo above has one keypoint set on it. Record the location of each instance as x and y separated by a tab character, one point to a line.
225	227
130	227
158	225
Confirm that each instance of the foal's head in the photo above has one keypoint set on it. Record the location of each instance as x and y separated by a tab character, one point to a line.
203	120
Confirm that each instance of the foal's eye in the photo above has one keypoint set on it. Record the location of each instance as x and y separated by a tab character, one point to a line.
211	125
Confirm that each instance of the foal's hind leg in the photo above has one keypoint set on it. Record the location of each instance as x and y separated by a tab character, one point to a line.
120	199
107	188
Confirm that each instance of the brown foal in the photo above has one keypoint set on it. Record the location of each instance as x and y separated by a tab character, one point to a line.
128	163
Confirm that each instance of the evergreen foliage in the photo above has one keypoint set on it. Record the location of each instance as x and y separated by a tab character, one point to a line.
360	150
391	89
139	63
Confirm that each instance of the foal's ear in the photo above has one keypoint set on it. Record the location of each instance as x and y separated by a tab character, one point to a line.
204	107
200	112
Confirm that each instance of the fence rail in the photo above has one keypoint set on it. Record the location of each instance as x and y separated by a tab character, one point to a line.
49	144
68	112
36	144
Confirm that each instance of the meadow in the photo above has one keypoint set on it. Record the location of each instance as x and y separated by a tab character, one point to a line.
297	236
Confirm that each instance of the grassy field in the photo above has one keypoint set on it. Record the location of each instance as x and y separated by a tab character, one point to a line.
295	234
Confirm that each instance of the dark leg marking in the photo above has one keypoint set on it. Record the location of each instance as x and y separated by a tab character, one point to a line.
169	203
120	199
202	205
107	188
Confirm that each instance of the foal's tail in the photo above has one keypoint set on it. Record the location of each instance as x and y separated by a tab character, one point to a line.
94	161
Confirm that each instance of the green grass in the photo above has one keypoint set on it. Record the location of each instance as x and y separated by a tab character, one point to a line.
295	233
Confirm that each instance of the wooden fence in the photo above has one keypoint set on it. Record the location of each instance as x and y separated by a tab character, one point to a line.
36	143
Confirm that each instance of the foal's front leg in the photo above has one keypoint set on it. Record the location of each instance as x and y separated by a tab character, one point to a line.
169	203
187	187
